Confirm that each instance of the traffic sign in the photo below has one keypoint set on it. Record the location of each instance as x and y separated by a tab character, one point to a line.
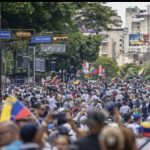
40	65
53	48
5	34
41	39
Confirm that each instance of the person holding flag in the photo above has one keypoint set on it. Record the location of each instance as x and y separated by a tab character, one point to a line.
13	109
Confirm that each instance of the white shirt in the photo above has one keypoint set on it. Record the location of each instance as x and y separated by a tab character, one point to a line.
85	96
52	103
119	96
135	127
124	109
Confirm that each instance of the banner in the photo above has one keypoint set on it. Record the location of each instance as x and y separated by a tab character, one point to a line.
85	67
136	40
100	70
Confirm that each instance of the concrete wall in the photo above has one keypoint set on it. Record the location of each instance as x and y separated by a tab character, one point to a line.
123	59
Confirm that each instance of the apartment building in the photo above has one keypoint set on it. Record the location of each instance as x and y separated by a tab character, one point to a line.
138	24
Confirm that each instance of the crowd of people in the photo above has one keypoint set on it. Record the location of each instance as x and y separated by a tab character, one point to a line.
98	115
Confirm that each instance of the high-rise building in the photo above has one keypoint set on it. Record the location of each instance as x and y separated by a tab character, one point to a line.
138	24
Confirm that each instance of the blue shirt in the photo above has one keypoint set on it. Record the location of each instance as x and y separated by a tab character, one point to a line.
15	145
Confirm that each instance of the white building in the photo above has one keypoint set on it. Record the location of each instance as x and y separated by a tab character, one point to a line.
138	24
137	20
115	45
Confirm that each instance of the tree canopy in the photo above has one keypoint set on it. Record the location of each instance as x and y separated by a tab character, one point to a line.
129	70
48	16
55	16
146	70
62	17
96	16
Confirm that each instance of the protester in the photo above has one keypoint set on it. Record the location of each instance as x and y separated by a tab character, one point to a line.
129	139
54	117
95	123
111	138
62	143
9	136
28	133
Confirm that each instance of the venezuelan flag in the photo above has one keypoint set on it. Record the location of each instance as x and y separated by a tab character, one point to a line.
19	111
141	72
93	70
146	128
13	109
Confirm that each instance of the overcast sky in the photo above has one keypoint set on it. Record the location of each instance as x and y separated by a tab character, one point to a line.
121	7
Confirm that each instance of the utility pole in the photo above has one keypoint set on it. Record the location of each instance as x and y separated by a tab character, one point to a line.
34	64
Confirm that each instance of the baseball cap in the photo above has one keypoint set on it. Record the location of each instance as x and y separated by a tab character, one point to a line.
148	119
136	116
61	110
51	126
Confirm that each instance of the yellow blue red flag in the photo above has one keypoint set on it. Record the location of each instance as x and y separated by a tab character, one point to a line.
13	109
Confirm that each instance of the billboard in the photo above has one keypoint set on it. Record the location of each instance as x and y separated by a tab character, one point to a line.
136	40
139	39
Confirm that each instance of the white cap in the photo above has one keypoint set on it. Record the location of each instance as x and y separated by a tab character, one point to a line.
148	119
61	110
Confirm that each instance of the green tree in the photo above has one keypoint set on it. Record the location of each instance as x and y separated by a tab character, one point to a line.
109	64
129	70
56	16
146	70
82	48
79	49
62	17
47	16
95	15
9	60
